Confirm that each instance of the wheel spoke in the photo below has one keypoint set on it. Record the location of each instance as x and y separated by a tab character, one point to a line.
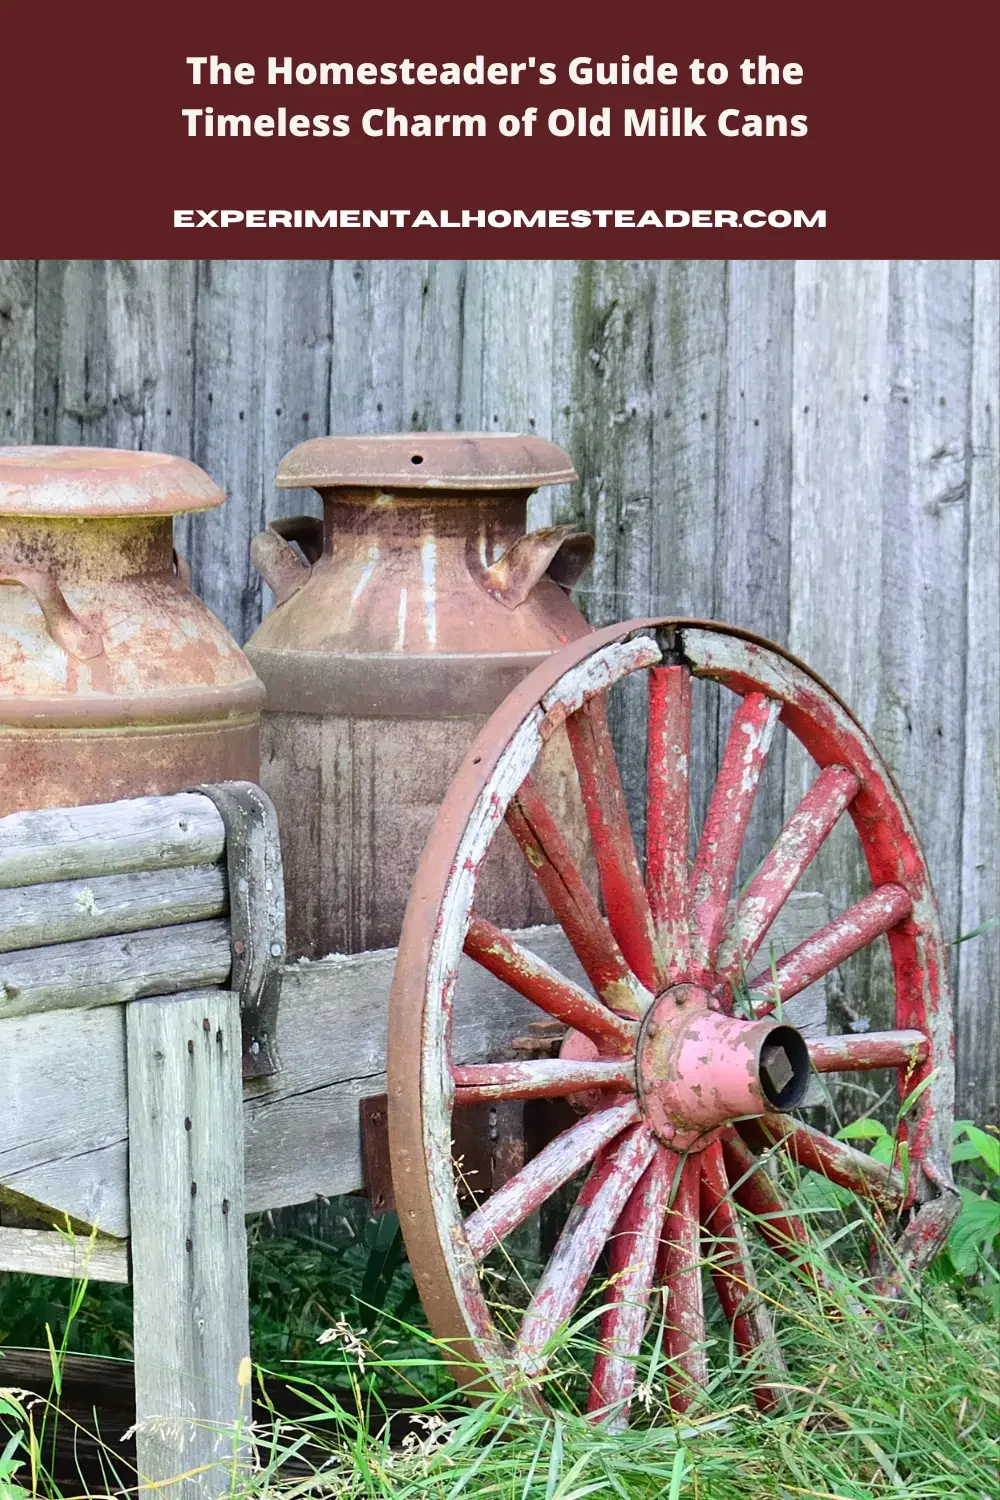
872	1180
634	1250
528	1189
754	1191
795	847
533	978
733	1273
685	1335
869	1049
545	1078
573	903
853	930
584	1236
625	898
726	820
667	813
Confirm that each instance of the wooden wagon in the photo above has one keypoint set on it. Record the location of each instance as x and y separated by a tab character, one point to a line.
167	1071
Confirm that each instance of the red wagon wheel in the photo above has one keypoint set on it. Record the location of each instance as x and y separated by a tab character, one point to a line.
658	1047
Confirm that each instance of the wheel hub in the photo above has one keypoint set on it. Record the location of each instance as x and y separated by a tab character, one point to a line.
697	1067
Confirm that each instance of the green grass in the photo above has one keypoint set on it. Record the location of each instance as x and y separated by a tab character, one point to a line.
875	1403
876	1399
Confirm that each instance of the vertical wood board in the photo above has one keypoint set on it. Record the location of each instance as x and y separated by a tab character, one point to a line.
188	1237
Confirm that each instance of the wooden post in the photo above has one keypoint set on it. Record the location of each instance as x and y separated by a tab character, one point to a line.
189	1248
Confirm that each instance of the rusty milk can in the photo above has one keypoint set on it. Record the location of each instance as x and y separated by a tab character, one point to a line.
115	680
421	603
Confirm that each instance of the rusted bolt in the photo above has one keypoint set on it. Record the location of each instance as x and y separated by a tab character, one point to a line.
189	1245
206	1024
225	1206
194	1190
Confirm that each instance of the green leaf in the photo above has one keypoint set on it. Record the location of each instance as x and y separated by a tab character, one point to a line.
973	1232
979	931
886	1148
677	1473
915	1094
862	1130
987	1147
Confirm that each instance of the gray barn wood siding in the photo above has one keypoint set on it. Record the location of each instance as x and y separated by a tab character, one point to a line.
808	449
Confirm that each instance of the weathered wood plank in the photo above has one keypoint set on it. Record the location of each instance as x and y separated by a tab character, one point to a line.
228	437
81	843
919	722
63	1131
43	1252
71	369
689	352
434	360
17	351
754	508
616	389
151	340
63	1108
111	970
978	1093
370	299
507	349
67	910
191	1320
841	399
298	332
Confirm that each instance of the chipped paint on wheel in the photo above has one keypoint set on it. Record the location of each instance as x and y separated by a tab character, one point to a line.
726	821
782	868
617	1137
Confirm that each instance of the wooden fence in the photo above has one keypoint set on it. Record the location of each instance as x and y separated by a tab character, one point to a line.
808	449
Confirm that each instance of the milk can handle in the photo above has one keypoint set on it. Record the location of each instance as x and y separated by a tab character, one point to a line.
69	632
280	566
559	552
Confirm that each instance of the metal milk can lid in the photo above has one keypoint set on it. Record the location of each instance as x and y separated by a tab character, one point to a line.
80	482
464	461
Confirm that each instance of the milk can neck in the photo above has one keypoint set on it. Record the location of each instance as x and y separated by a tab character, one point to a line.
385	516
88	550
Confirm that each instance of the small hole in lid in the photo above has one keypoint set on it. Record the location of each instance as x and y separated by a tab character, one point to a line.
417	458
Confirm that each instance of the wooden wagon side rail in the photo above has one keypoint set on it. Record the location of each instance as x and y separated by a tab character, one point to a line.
110	838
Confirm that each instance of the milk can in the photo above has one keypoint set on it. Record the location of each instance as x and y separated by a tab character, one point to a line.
402	620
115	680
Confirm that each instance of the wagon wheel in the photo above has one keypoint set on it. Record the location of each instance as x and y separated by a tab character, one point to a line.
659	1049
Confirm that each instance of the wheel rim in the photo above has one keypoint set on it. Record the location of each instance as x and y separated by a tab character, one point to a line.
659	1167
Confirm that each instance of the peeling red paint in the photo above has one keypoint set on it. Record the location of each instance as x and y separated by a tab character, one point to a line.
625	898
690	1079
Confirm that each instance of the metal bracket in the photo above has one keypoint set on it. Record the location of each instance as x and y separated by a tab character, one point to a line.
373	1112
483	1137
256	915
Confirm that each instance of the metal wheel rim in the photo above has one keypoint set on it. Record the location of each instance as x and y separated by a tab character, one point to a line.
431	1220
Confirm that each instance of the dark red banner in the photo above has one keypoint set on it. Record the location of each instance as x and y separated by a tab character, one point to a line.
225	130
